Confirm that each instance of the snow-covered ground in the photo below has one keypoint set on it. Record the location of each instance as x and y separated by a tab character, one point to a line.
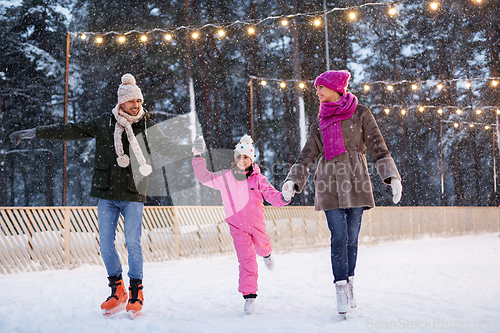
432	284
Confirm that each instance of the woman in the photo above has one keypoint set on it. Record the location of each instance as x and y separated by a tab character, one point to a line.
339	138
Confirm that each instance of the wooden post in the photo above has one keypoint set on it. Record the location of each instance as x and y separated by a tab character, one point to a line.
67	236
177	233
66	90
251	106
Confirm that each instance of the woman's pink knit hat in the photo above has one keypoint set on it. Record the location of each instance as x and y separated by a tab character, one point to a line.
334	80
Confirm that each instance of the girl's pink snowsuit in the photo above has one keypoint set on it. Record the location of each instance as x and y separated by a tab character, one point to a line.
244	209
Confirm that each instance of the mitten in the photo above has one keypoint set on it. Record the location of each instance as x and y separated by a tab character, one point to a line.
397	190
17	136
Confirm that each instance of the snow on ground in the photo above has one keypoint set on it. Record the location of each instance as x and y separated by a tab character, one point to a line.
431	284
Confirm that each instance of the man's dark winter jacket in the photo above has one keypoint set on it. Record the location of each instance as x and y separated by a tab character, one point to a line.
110	181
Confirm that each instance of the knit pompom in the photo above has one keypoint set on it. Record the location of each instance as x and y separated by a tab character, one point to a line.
128	79
246	138
123	161
145	170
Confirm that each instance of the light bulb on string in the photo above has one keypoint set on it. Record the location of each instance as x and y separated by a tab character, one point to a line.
168	37
439	86
251	31
284	22
317	22
459	111
390	88
366	87
283	85
440	111
403	112
392	11
498	111
455	125
221	33
122	39
98	40
144	38
302	85
414	86
352	16
468	85
486	127
478	111
434	5
387	111
421	109
83	36
471	125
494	83
263	83
195	35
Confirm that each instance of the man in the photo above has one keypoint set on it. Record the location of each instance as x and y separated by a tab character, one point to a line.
120	187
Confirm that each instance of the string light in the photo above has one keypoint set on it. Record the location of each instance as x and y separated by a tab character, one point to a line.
387	111
366	87
403	112
352	16
302	85
434	5
414	86
390	87
121	39
317	22
283	85
486	127
455	125
99	40
459	111
284	22
392	11
144	38
221	33
494	83
251	30
468	85
478	111
440	86
440	111
83	36
498	111
421	109
471	125
195	35
263	83
168	37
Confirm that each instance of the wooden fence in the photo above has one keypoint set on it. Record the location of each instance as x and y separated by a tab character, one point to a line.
41	238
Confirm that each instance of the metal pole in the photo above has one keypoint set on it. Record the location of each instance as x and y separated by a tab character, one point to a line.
251	106
66	89
326	38
441	158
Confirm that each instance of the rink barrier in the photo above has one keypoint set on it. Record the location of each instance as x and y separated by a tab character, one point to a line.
43	238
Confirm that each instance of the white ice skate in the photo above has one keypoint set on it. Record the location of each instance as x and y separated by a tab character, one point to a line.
352	299
269	261
249	305
342	296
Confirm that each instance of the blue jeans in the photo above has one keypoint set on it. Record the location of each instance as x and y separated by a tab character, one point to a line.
108	212
344	225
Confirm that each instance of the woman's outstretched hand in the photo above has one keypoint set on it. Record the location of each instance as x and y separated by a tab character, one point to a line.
397	190
288	190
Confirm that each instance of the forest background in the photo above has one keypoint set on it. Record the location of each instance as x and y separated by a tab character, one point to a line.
427	75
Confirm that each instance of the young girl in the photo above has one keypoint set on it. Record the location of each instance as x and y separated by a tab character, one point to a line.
243	188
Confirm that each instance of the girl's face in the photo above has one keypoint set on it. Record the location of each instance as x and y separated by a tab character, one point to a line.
243	162
327	95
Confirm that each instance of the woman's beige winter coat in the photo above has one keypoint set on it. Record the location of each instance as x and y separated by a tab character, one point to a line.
344	181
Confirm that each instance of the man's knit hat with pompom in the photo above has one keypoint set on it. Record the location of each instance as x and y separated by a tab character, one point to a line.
129	90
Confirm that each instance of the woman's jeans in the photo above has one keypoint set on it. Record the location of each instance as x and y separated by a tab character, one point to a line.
344	225
108	212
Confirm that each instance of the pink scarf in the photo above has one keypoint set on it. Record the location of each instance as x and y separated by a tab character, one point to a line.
330	115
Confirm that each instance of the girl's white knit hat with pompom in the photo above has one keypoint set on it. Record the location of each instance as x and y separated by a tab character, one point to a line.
245	147
129	90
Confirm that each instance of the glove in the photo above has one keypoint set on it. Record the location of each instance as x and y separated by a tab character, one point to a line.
288	190
397	190
17	136
198	145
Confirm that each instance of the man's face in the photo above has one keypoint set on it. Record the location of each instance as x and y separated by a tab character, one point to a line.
132	107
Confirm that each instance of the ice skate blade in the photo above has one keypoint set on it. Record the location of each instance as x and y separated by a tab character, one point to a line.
133	314
115	310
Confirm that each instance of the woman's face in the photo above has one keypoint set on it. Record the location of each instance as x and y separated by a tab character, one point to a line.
243	162
327	95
